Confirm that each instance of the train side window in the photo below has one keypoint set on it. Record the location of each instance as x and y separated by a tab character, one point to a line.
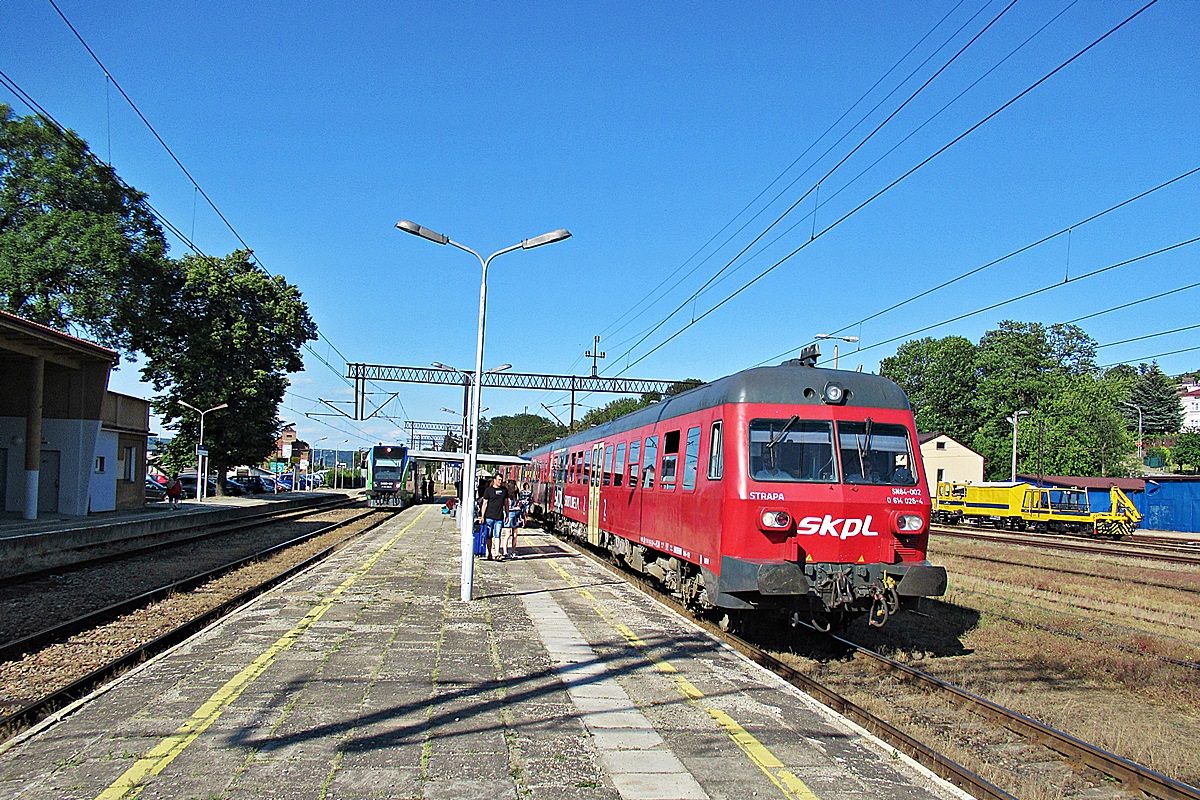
716	452
691	459
587	466
608	464
635	454
670	460
619	465
648	462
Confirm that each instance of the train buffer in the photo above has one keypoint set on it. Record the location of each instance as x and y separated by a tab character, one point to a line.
367	677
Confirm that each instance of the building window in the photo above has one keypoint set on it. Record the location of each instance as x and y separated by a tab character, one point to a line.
99	465
941	445
130	464
941	475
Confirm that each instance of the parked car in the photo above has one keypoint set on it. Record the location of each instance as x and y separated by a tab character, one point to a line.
155	492
189	487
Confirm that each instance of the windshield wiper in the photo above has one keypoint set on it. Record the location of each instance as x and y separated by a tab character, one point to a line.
795	418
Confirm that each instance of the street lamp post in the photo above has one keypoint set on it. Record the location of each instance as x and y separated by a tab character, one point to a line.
1014	419
1141	455
851	339
201	460
466	520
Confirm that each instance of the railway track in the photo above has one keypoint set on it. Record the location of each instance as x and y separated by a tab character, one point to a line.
130	654
1175	553
128	547
1133	777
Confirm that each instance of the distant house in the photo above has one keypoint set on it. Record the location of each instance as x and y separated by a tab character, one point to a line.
1190	400
948	460
288	446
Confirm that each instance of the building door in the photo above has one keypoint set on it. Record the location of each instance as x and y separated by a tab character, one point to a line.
48	479
593	514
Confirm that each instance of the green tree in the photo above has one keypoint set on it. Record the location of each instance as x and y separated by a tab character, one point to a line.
520	433
678	387
940	379
1156	394
80	251
229	334
617	408
1187	449
1081	428
1020	367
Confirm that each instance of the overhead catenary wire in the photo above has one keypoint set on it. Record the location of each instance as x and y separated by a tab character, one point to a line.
1149	336
900	143
613	327
897	181
804	196
1018	251
1144	359
1049	287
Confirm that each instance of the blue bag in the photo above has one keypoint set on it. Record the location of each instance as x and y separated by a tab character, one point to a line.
480	540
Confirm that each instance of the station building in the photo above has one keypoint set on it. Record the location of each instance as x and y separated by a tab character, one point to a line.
947	459
68	446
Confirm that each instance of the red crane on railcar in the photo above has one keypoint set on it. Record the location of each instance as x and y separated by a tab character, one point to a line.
788	489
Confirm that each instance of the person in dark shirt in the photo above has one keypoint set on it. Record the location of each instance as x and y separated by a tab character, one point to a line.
493	515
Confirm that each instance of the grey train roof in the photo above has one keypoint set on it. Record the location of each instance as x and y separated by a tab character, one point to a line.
783	384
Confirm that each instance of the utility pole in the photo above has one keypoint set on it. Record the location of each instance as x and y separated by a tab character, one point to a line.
593	354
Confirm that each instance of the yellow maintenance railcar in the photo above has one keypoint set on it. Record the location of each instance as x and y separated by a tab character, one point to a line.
1016	505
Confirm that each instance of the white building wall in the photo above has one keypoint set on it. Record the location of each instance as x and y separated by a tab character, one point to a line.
956	462
75	440
1191	412
102	488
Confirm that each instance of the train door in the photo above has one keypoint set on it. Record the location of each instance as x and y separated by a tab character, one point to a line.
593	512
1036	508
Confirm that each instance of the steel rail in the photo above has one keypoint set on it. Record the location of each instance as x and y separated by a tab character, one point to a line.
1004	537
1134	776
36	641
43	707
940	765
116	549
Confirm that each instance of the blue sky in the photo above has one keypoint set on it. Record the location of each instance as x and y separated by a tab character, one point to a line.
646	129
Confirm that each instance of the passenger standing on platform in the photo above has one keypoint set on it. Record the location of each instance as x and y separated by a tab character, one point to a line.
174	491
492	517
525	502
511	519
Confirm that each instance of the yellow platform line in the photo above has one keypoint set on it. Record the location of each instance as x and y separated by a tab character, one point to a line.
759	754
153	763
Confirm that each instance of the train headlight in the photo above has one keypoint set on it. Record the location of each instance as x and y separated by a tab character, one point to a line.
909	523
834	394
776	519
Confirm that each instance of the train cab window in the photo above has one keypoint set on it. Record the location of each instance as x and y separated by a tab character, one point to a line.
648	462
670	461
792	450
1069	500
691	459
608	464
716	453
876	453
635	454
619	465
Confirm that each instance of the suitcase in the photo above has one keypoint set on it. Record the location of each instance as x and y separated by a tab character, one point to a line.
480	541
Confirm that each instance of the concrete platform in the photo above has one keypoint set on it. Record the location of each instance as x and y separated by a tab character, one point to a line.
59	541
367	678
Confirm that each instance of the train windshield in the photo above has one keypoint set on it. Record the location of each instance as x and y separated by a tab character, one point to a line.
875	453
792	450
1069	500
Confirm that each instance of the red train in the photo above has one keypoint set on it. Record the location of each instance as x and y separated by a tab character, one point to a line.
789	489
